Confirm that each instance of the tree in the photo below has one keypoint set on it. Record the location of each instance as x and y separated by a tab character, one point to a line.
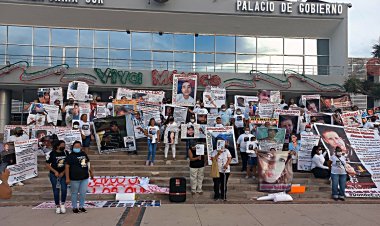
376	50
353	85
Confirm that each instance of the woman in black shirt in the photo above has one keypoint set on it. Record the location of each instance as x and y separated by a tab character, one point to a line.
56	164
77	170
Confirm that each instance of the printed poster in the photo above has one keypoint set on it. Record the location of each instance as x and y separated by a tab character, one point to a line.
221	134
184	89
214	97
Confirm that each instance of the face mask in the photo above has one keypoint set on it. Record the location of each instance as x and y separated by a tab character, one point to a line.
246	132
76	150
308	129
223	109
192	120
238	112
232	106
75	127
338	154
62	148
318	152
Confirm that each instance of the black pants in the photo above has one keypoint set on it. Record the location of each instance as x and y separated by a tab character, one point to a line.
220	186
244	160
321	173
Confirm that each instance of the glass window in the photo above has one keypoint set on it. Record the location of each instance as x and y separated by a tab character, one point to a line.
3	34
183	61
225	43
101	38
245	44
86	38
20	35
323	47
245	63
311	63
86	56
270	45
204	62
64	37
184	42
70	56
294	63
56	55
120	40
163	60
162	42
310	47
41	36
323	65
141	40
225	62
40	56
17	53
293	46
101	57
270	64
2	54
119	54
204	43
141	59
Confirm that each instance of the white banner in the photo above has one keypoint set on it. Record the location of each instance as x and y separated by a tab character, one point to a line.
304	155
214	97
352	119
78	91
266	110
152	96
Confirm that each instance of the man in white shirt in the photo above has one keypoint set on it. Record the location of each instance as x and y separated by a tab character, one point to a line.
242	144
308	130
225	116
219	122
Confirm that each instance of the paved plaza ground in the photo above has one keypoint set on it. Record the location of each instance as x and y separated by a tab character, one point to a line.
202	214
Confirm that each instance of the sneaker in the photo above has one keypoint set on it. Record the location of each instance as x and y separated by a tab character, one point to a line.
147	162
19	184
57	210
135	152
342	198
200	193
82	210
246	177
63	208
151	164
75	210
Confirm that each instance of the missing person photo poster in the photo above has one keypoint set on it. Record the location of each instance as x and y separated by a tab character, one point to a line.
290	123
153	96
325	118
211	119
266	110
271	137
7	154
304	154
190	131
214	97
42	114
275	97
40	132
150	110
109	134
130	143
184	89
50	95
171	134
77	90
226	134
179	113
361	150
10	133
352	119
243	102
123	107
26	161
138	124
330	104
69	136
275	171
312	103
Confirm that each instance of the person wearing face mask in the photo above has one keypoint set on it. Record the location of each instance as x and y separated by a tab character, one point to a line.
201	109
307	130
242	144
318	168
239	122
338	175
77	172
225	116
55	163
231	110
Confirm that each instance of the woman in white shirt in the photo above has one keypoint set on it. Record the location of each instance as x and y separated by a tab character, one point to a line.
223	157
338	175
318	159
85	130
153	133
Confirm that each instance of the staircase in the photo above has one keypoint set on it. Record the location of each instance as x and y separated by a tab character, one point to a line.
240	190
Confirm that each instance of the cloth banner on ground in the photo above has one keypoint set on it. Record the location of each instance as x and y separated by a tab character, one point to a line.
184	89
311	102
69	136
49	95
215	134
123	184
26	161
152	96
77	90
266	110
110	133
330	104
103	204
190	131
214	97
271	137
362	150
304	155
10	132
352	119
275	171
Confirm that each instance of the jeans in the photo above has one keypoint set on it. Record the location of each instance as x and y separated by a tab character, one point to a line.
196	179
244	160
151	151
338	179
53	181
78	186
220	185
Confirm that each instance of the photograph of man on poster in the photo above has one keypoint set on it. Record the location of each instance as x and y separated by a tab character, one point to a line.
312	105
289	123
185	92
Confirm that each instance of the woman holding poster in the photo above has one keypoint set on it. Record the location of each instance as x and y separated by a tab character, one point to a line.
153	133
338	175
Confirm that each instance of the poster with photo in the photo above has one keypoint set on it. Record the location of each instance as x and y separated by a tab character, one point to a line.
138	124
218	134
152	96
312	103
214	97
190	131
275	171
77	90
179	113
290	123
352	119
184	89
110	133
171	134
266	110
308	141
325	118
201	119
243	102
330	104
69	136
26	161
43	114
39	132
10	133
50	95
123	107
263	96
275	97
200	149
150	110
84	109
130	143
211	119
7	154
271	137
98	110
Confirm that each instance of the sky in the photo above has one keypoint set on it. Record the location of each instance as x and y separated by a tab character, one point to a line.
363	26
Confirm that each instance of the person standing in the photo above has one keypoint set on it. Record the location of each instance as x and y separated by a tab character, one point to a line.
223	158
225	116
338	175
171	137
239	122
56	165
85	130
153	133
77	171
197	163
242	144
